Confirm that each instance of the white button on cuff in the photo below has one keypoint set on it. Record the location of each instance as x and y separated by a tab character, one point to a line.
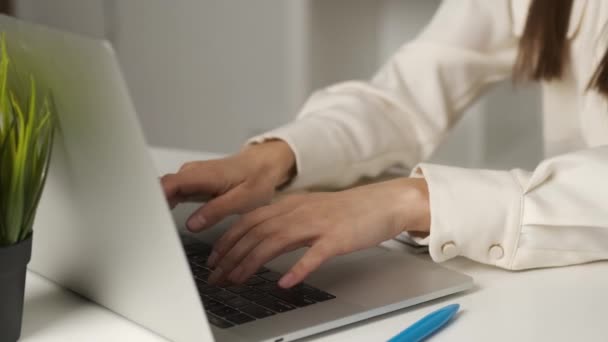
449	250
496	252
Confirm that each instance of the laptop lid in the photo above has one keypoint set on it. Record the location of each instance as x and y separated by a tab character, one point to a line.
103	228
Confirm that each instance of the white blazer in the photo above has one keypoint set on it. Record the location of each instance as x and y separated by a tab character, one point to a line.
556	215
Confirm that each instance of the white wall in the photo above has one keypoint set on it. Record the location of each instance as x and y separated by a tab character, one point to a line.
343	41
83	16
207	75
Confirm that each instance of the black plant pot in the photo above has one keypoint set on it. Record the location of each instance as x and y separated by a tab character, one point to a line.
13	265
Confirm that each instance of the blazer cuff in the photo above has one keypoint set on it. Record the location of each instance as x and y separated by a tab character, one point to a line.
474	213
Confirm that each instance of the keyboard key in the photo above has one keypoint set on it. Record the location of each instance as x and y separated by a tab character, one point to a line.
237	302
213	306
224	311
194	267
198	249
256	311
274	304
238	289
200	260
271	276
218	322
304	289
208	289
193	247
253	295
200	272
208	300
188	240
260	297
266	286
320	296
292	297
223	296
262	270
240	318
254	281
201	279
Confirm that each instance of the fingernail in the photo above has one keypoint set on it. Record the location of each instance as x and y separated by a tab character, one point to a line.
235	275
215	276
243	278
287	281
196	222
212	259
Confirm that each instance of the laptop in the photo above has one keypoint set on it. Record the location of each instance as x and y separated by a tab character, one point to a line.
105	231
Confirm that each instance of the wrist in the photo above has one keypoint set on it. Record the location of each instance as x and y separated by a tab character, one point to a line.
274	158
413	206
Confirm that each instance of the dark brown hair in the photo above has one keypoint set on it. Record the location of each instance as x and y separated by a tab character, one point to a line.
543	48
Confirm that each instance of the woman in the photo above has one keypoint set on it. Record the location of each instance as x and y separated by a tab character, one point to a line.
515	219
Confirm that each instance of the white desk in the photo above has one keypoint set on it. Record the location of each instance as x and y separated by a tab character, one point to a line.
564	304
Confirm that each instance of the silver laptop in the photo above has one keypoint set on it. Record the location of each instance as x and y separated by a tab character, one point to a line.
105	231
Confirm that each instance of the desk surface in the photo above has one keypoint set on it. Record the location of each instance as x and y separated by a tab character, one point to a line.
563	304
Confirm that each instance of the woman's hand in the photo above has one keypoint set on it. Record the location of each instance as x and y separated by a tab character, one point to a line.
330	224
237	184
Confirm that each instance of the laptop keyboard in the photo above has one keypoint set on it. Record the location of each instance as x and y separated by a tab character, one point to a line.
258	298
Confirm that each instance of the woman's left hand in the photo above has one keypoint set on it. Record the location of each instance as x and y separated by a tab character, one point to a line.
331	224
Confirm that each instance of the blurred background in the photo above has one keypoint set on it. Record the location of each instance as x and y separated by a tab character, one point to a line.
208	74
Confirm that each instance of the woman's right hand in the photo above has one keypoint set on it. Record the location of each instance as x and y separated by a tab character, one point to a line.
236	184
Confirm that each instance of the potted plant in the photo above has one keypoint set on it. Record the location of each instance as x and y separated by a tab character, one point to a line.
26	139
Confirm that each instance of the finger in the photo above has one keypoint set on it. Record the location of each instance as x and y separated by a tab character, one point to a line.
189	165
170	189
266	251
184	184
234	257
247	222
312	259
239	200
275	237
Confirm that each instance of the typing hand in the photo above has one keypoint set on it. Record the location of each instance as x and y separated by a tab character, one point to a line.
236	184
330	224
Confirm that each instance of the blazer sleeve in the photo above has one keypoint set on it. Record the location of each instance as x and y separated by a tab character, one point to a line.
554	216
361	128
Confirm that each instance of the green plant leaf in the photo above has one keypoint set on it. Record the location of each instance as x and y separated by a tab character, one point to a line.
27	128
15	214
45	154
4	61
5	175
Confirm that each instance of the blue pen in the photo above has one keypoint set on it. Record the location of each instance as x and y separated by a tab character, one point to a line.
428	325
